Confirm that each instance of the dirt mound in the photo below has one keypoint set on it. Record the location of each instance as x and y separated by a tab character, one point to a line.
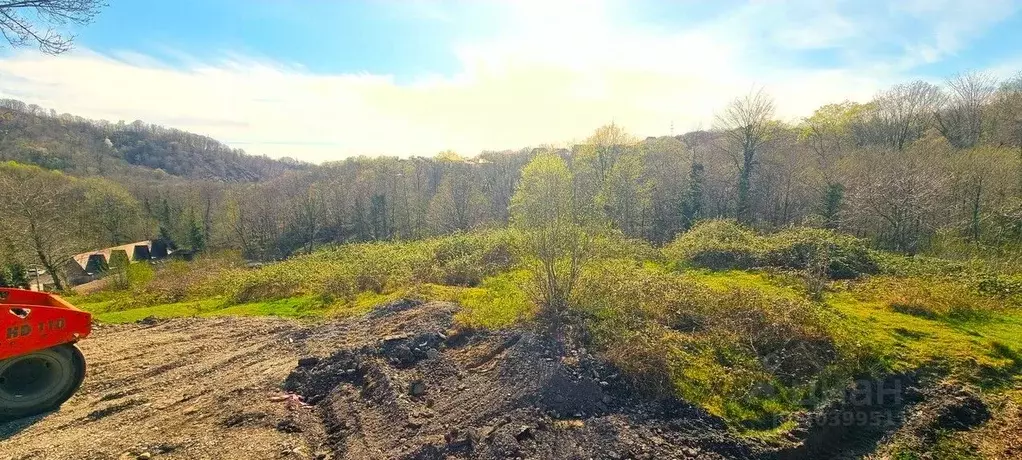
851	423
429	392
947	407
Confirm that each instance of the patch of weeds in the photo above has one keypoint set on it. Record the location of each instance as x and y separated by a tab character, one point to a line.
498	302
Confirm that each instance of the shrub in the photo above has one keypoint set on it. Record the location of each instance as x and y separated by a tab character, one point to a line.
740	353
726	245
338	286
798	248
717	245
265	284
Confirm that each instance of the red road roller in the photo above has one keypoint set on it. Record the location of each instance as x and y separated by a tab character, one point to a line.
40	366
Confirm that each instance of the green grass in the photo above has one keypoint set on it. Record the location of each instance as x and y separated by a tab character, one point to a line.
695	333
499	302
174	310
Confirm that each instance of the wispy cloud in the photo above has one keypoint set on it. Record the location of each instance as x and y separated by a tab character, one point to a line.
560	70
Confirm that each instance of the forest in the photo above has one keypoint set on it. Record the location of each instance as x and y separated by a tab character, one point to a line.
920	169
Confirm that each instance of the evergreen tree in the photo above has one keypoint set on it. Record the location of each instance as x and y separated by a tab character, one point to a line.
196	236
832	199
692	207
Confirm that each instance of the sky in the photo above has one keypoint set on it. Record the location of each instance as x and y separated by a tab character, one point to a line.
321	80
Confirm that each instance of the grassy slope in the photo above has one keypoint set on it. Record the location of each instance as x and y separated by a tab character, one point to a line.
979	348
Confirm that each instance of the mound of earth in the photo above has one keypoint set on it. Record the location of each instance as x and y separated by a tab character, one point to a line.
946	407
433	393
399	382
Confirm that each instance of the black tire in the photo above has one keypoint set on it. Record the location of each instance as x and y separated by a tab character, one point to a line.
40	381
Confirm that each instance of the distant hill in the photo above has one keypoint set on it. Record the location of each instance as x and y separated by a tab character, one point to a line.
33	135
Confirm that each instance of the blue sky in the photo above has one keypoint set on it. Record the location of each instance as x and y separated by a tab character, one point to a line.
321	80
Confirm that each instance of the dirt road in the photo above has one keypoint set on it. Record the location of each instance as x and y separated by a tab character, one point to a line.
187	388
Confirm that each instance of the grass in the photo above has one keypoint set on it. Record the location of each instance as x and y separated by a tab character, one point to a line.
724	317
499	302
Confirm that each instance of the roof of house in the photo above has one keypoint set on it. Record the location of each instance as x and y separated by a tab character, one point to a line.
83	258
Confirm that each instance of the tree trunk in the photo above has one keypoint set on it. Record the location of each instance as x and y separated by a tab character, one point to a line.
48	265
744	189
975	211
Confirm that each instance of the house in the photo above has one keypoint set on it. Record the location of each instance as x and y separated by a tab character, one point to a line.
89	266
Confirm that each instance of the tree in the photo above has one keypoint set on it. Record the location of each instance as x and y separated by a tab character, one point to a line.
41	212
692	207
458	202
1006	117
747	125
901	114
832	202
24	22
960	116
829	128
113	213
555	237
604	147
626	194
196	237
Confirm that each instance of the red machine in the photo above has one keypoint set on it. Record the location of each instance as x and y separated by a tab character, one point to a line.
40	367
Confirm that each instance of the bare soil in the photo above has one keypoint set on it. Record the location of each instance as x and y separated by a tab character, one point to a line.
398	383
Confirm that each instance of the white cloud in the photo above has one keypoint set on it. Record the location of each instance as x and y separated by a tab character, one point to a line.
549	80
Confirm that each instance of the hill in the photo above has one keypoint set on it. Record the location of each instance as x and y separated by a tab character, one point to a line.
32	135
722	345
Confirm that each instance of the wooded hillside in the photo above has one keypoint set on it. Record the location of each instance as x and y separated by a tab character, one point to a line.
921	168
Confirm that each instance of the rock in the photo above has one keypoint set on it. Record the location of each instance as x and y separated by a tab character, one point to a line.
417	388
144	456
288	425
308	361
391	338
457	438
524	433
432	353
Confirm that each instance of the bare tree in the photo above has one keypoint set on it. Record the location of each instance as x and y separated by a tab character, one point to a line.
902	113
24	22
747	125
41	209
960	116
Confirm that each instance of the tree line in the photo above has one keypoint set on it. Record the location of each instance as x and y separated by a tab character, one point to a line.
919	168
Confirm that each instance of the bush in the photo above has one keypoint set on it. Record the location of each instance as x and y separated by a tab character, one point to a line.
717	245
466	259
847	257
740	353
726	245
338	286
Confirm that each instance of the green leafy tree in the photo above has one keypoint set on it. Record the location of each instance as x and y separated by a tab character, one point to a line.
626	194
555	237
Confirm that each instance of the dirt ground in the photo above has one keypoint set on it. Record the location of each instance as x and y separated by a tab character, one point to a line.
187	388
398	383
